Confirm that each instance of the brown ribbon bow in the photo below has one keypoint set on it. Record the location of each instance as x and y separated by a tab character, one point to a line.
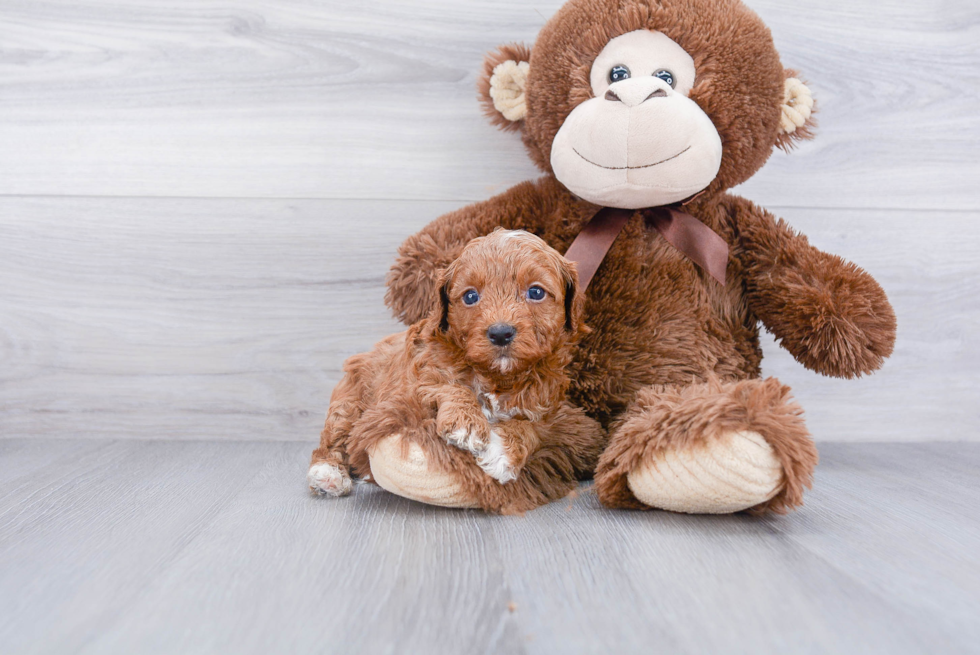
700	243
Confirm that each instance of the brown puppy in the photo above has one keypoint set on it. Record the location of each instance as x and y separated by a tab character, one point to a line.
487	366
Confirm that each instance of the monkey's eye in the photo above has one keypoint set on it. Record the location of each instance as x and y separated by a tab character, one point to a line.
619	73
471	297
667	77
536	293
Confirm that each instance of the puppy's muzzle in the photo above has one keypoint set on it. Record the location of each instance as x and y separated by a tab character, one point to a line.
501	334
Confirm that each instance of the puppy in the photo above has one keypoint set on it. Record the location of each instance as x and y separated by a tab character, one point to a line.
485	370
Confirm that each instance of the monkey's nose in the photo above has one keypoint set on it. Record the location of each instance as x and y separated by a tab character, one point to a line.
632	95
501	334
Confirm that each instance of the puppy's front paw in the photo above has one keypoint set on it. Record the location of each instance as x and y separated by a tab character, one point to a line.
326	479
466	439
466	433
494	460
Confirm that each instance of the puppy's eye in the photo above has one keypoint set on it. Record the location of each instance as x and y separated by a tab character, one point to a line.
618	73
471	297
667	77
536	293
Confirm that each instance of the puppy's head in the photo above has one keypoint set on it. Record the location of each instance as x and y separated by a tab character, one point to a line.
509	301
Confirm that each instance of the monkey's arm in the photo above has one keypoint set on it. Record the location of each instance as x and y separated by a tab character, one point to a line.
411	280
830	314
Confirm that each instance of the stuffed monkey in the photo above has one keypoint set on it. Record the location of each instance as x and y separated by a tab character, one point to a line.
654	109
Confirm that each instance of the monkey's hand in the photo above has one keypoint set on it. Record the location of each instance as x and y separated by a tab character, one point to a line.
831	315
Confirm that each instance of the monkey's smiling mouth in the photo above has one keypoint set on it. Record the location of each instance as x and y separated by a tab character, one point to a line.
623	168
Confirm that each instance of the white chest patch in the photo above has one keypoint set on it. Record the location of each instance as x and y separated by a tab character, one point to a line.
493	410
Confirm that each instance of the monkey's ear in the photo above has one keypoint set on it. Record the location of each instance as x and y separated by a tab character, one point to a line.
796	122
502	85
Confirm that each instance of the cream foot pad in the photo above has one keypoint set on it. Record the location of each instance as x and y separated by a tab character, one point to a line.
729	475
411	478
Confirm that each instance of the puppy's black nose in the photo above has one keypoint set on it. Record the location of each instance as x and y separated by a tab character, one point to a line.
500	334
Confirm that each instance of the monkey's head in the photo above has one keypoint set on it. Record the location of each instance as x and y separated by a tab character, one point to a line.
642	103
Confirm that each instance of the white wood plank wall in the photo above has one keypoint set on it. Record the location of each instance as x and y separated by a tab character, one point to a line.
199	200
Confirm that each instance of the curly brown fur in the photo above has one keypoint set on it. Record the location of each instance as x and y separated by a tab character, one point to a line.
658	321
446	379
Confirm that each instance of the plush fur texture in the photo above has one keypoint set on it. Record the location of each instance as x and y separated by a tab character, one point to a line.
445	380
673	357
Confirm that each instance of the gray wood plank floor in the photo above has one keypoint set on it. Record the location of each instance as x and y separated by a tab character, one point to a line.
110	546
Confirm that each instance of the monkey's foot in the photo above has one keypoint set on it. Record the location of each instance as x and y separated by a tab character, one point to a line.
709	448
733	473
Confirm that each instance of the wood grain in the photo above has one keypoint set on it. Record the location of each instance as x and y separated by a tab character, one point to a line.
373	100
230	319
165	547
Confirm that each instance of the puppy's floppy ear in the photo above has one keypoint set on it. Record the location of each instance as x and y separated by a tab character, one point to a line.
444	307
503	83
441	312
573	301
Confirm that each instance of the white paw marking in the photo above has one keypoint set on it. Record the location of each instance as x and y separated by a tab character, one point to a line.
465	440
328	480
494	461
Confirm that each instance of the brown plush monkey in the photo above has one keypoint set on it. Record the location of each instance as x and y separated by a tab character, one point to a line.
644	105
